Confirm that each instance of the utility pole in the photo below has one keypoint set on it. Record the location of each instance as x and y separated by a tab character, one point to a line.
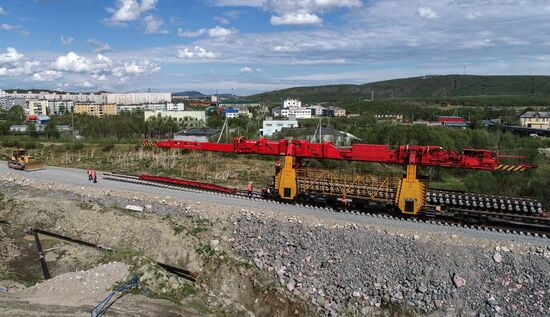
72	122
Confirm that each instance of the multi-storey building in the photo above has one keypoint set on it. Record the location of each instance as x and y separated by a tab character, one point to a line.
139	98
154	106
36	107
198	115
291	103
98	110
535	119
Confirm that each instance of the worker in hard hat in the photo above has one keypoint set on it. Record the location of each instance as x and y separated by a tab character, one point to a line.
249	189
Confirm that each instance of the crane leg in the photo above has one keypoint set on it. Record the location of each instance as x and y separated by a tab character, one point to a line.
285	180
411	192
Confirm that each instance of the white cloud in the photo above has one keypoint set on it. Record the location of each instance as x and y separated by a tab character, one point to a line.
72	62
100	46
296	18
15	28
222	20
2	11
247	69
47	75
154	25
197	33
10	55
130	10
66	40
196	53
426	13
218	31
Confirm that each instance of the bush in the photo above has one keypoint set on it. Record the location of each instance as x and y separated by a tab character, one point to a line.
108	147
74	146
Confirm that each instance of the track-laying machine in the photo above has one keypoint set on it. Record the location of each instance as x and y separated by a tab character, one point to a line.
20	160
409	193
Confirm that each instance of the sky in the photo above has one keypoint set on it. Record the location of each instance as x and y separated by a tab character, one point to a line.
251	46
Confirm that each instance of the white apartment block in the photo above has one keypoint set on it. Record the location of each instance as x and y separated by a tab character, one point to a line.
154	106
291	103
300	113
270	126
60	106
199	115
139	98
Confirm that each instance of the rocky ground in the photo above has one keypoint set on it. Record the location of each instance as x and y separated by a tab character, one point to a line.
356	270
262	263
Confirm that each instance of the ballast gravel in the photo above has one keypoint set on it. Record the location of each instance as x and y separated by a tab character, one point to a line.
348	270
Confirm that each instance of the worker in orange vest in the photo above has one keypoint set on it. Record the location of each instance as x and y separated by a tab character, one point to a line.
94	176
90	175
249	188
345	201
277	166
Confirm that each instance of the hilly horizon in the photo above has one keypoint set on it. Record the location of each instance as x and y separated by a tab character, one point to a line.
432	86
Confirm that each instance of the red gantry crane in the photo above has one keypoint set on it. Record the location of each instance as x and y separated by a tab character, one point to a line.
410	191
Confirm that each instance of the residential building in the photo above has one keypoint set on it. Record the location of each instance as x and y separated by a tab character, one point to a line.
198	115
334	112
139	98
327	134
231	113
238	104
60	106
196	134
299	113
270	126
6	103
98	110
535	119
316	110
154	106
35	107
291	103
395	118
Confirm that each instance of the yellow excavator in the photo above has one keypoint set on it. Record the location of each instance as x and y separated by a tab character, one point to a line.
20	160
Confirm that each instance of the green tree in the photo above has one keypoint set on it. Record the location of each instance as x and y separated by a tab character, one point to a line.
51	131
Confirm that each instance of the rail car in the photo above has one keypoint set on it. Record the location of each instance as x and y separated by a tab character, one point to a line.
408	194
369	192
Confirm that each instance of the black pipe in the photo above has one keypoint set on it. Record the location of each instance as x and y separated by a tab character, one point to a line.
62	237
41	257
188	275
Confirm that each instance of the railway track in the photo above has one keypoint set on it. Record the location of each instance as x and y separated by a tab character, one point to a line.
532	222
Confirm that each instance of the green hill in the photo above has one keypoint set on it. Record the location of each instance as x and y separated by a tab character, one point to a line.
419	87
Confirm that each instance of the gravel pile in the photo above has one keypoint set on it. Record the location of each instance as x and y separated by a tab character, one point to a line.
77	288
349	270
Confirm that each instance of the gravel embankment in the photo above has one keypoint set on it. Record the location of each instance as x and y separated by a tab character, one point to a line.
353	270
77	288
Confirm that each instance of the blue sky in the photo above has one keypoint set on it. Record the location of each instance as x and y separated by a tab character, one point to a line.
261	45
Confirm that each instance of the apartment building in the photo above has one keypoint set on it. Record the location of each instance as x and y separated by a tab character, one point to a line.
98	110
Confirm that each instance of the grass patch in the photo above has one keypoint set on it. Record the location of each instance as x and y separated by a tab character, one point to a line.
124	254
177	228
195	231
175	296
205	249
